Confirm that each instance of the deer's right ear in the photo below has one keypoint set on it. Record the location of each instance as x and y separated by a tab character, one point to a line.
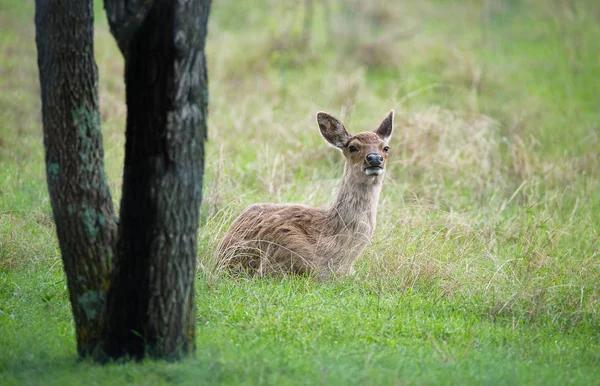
332	130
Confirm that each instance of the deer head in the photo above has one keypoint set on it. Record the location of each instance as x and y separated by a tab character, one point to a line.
365	153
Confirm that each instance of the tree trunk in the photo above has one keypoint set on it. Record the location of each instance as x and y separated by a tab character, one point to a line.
79	195
151	307
146	304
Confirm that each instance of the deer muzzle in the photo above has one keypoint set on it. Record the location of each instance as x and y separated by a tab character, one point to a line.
373	164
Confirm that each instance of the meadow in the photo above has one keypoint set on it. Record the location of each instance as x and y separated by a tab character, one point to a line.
485	264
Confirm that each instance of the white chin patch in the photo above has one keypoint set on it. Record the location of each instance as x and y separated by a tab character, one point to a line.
373	171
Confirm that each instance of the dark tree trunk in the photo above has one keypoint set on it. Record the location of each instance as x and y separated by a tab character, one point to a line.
79	194
151	307
146	304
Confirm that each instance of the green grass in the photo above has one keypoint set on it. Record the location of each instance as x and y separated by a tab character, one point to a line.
295	331
485	264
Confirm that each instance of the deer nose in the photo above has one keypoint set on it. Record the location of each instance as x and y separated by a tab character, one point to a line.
374	159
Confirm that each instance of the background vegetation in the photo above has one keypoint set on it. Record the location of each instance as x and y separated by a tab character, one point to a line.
486	261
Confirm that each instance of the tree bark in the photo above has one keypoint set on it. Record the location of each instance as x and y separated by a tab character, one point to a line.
151	307
79	195
145	305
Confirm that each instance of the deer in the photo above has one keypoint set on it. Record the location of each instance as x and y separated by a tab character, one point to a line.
279	239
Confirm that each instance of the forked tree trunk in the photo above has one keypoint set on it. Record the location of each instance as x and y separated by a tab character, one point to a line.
146	305
79	195
151	307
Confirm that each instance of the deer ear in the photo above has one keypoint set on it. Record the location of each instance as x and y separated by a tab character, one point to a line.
387	126
332	130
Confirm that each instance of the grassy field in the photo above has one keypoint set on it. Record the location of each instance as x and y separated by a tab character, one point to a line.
485	265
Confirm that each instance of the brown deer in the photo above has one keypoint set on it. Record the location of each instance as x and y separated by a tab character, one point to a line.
279	238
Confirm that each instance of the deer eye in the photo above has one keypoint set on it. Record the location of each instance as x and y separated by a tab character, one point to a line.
386	149
352	149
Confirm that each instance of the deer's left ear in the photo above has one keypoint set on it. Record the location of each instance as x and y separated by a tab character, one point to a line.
387	126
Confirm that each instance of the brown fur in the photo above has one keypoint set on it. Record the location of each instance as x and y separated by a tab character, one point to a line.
276	239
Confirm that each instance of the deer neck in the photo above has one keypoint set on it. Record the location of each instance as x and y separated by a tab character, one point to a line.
355	208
